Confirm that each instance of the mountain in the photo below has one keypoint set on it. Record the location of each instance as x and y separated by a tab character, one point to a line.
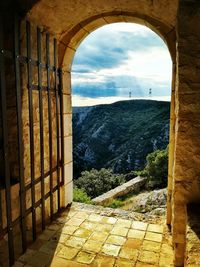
119	135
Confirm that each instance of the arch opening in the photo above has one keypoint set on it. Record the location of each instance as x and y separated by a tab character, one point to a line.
69	73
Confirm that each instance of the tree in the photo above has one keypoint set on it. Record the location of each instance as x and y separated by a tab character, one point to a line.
157	167
95	182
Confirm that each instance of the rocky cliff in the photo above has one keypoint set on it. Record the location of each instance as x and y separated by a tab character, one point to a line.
119	135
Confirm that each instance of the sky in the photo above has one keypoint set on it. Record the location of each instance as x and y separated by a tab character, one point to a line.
121	60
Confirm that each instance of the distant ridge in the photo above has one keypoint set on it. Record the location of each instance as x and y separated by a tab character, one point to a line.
119	135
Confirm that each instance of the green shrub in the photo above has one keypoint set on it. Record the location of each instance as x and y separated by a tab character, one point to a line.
80	196
115	203
157	167
95	182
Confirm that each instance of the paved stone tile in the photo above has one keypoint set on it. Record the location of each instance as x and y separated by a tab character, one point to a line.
81	232
47	234
99	236
166	260
151	246
122	231
124	263
67	252
104	227
155	228
89	225
128	253
110	249
54	226
142	264
50	247
149	257
59	262
116	240
40	259
95	218
153	237
75	242
62	220
132	233
92	246
37	244
123	223
82	215
108	220
85	257
69	229
139	225
167	249
75	221
103	261
59	237
82	238
70	213
133	243
27	256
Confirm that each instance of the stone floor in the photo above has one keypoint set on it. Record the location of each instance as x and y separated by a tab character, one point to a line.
81	237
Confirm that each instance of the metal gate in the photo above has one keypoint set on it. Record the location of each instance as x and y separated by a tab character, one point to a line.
14	64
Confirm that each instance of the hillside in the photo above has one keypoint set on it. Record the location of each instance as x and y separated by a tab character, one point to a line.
119	135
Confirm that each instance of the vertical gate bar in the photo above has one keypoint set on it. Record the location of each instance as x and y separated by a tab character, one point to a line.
30	100
1	49
41	125
1	219
5	148
61	122
19	129
50	123
57	122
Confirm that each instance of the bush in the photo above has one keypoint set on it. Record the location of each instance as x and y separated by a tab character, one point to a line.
157	167
115	203
95	182
81	196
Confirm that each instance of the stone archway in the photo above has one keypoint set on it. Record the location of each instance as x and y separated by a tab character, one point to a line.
70	21
71	41
81	21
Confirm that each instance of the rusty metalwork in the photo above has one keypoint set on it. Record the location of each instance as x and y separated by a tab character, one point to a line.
53	91
5	148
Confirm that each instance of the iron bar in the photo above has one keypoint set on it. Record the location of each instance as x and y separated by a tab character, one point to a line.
50	124
23	59
31	130
5	149
57	90
57	123
28	211
61	123
38	180
1	219
41	125
19	129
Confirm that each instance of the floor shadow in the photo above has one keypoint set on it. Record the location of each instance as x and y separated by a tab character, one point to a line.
193	211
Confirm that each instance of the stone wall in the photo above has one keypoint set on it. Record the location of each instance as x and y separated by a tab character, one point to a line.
71	21
133	186
186	186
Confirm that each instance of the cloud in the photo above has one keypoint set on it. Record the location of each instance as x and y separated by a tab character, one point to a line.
110	44
119	58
